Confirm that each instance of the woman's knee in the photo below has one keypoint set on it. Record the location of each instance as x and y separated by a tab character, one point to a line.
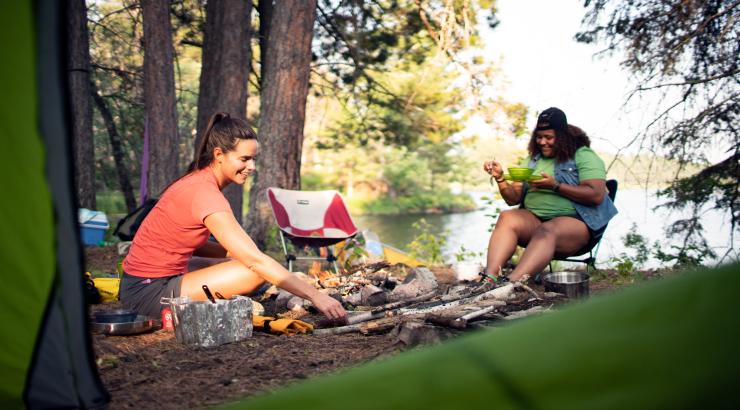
509	219
545	231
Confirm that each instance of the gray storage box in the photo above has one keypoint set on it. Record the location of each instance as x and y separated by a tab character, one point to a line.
207	324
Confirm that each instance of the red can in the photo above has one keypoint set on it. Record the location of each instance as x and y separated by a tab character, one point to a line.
167	318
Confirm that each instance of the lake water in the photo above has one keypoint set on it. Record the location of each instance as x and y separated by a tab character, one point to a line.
472	229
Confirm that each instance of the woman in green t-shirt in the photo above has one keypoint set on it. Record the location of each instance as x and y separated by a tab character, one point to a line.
561	211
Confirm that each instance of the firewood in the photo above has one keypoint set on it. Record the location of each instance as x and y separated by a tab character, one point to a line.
456	303
415	333
524	313
373	296
404	303
530	290
418	282
378	326
337	330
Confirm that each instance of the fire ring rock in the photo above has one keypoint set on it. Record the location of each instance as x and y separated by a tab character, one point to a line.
418	282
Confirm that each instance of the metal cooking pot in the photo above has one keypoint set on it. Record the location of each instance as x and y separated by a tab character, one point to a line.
115	316
572	284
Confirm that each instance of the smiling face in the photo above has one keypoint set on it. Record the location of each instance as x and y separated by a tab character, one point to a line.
545	140
236	165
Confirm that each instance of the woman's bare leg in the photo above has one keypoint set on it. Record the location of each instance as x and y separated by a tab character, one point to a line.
514	226
562	235
200	262
228	278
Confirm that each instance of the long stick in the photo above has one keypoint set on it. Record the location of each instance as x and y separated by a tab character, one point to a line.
477	313
380	311
461	322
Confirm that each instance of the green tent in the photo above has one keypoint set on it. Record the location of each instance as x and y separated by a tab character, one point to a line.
46	358
670	344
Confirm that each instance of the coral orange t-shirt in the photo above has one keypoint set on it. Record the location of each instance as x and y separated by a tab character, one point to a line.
174	228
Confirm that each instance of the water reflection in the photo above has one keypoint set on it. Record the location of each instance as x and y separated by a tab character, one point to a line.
472	229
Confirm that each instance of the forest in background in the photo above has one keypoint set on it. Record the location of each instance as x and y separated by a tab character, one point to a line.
378	94
390	85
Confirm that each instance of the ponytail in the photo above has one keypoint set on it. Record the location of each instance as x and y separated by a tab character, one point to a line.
223	131
202	154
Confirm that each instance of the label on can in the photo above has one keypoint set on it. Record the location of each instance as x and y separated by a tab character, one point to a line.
167	318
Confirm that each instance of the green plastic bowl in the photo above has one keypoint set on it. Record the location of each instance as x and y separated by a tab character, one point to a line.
520	174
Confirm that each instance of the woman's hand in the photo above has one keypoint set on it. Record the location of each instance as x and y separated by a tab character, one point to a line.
330	307
547	182
494	169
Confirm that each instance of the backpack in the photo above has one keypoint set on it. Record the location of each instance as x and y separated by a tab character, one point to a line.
127	227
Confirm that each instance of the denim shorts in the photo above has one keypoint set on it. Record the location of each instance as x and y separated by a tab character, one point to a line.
143	294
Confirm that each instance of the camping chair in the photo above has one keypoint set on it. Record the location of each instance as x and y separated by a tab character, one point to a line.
592	247
310	218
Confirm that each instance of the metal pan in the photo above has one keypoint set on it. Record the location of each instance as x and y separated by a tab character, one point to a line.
140	325
572	284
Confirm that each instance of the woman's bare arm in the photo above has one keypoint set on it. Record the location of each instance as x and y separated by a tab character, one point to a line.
241	247
211	250
511	192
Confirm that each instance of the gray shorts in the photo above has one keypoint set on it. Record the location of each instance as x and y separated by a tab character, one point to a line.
143	294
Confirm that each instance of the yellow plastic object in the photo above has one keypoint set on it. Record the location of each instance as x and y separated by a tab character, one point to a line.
108	288
281	326
394	256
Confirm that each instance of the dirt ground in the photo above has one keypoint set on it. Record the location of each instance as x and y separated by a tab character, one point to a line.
153	370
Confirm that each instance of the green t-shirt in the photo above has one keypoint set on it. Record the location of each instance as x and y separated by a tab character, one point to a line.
545	203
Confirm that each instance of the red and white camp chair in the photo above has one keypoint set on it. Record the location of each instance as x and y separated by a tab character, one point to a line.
310	218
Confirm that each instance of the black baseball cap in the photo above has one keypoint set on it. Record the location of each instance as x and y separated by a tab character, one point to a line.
552	119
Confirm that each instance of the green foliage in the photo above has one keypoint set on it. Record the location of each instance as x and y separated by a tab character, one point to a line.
111	202
314	181
353	251
684	55
685	257
426	246
629	264
116	37
273	242
443	202
464	254
489	201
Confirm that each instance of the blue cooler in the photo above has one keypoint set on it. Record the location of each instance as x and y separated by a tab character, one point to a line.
93	225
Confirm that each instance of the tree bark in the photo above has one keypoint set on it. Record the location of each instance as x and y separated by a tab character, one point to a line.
284	92
81	107
159	95
265	8
124	180
225	72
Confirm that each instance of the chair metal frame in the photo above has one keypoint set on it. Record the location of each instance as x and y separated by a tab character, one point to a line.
591	248
289	257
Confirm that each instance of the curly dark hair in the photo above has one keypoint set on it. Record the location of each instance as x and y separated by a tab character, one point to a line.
566	143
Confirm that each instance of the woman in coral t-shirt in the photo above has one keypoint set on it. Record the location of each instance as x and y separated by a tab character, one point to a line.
188	212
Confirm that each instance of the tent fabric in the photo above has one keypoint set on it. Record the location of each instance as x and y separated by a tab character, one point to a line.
27	230
670	344
47	359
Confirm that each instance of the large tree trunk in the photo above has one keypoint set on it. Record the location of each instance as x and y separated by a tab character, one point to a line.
264	8
225	72
159	95
284	91
124	180
79	91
